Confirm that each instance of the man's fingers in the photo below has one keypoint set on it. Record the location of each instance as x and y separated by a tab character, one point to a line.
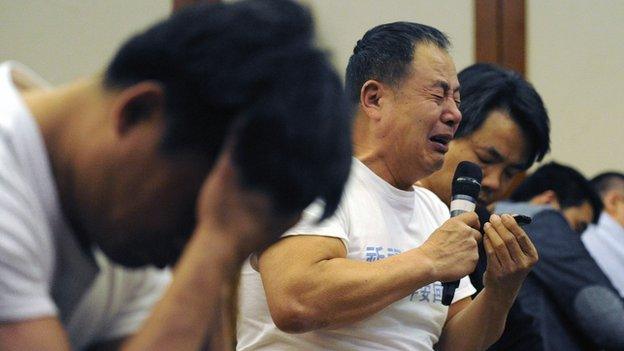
528	247
470	218
491	255
499	246
523	239
510	240
477	235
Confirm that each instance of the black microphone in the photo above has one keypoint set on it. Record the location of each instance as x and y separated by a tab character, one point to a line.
465	190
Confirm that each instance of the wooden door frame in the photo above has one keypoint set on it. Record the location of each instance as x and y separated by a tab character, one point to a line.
500	28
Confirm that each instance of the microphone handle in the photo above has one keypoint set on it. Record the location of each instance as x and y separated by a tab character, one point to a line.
448	292
448	288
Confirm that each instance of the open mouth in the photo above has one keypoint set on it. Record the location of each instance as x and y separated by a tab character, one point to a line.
441	142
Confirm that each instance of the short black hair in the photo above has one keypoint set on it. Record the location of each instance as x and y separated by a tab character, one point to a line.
385	53
486	87
570	187
606	181
248	69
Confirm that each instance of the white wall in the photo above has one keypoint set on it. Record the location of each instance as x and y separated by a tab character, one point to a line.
341	23
63	39
576	62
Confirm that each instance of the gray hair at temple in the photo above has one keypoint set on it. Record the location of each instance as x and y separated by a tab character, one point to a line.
385	53
607	181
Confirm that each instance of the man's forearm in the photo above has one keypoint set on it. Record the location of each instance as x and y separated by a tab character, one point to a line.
190	309
480	324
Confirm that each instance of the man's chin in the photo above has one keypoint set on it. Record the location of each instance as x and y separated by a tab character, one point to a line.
437	164
132	260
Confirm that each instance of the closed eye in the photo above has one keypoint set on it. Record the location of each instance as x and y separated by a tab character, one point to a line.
439	98
510	173
485	161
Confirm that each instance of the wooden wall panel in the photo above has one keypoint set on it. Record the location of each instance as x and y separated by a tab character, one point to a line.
500	33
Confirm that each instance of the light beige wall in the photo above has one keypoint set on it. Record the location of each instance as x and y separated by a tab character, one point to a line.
576	62
341	23
575	52
63	39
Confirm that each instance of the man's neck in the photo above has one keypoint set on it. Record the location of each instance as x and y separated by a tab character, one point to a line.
430	184
62	115
373	155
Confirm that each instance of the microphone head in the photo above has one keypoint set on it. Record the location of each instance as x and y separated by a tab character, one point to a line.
467	179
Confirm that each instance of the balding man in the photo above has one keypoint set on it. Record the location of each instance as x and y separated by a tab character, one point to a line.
605	239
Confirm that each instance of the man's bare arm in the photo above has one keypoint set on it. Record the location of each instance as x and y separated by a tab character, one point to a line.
310	284
37	334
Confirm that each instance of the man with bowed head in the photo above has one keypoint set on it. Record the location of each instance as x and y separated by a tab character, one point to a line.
368	278
203	140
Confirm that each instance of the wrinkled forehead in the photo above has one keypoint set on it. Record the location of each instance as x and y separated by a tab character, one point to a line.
434	65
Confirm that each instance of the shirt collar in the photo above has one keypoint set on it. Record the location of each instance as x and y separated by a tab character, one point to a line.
610	224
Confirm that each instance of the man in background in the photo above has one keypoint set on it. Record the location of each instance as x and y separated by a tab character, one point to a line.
605	239
571	303
201	142
504	130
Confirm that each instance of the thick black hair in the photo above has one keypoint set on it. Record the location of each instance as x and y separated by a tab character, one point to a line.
606	181
249	70
570	187
386	52
486	87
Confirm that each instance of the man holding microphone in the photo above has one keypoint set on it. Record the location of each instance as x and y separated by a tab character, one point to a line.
369	277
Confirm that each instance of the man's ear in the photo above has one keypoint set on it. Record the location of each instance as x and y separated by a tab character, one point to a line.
548	197
138	103
371	98
609	200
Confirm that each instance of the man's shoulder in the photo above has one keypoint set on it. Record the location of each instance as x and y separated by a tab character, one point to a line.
550	215
429	196
426	200
550	222
27	246
18	198
26	236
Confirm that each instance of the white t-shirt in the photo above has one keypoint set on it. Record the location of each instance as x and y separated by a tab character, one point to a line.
374	221
43	270
605	243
